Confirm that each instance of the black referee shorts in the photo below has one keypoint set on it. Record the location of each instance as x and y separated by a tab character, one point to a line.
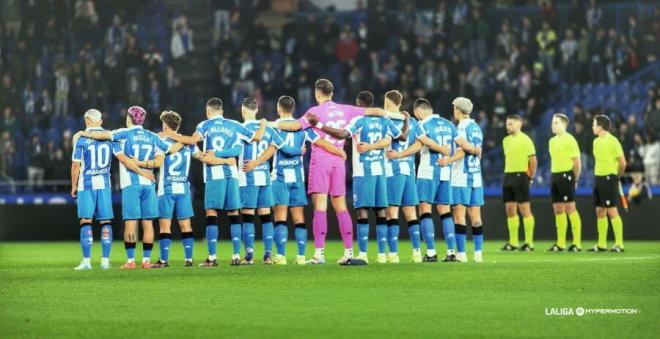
606	191
562	187
515	187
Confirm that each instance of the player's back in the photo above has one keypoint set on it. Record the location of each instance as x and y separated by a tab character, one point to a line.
337	116
219	134
405	165
442	132
259	176
467	172
370	130
141	145
95	157
289	168
173	175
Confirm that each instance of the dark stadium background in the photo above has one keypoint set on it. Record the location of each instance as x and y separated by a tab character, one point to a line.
59	58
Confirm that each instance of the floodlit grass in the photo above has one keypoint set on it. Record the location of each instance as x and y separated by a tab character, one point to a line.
508	295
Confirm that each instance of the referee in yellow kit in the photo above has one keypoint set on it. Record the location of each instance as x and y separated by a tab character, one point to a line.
565	167
519	172
610	166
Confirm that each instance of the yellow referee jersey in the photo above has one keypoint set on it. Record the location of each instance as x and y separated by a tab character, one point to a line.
517	150
563	149
607	150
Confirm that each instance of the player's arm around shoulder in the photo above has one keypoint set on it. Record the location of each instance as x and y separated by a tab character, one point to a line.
132	165
458	155
193	139
259	134
336	132
213	159
412	149
265	156
289	126
399	134
96	135
278	142
466	146
330	148
157	162
385	142
433	146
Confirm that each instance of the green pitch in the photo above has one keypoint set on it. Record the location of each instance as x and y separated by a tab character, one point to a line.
508	295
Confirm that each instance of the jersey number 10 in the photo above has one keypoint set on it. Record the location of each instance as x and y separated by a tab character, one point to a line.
100	156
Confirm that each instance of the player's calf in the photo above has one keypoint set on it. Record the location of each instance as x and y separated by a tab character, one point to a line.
393	240
268	232
281	236
86	240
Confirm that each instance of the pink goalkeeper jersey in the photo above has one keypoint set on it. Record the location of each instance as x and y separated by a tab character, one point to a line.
334	115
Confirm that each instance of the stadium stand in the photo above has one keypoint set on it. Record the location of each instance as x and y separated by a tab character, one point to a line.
579	57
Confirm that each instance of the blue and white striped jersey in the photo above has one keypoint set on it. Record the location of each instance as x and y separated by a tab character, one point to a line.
403	166
443	132
141	145
370	129
467	172
173	175
260	175
95	158
219	134
290	168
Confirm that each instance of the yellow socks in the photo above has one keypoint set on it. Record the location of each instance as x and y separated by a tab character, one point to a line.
602	232
562	224
529	230
513	223
576	228
617	228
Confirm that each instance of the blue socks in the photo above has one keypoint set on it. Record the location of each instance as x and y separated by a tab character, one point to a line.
130	250
235	233
478	237
448	230
188	240
381	235
268	232
86	240
393	235
212	235
247	235
461	238
281	236
428	230
212	239
164	242
301	238
414	233
363	234
106	240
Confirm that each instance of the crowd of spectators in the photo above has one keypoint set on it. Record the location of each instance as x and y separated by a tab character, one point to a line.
59	58
57	61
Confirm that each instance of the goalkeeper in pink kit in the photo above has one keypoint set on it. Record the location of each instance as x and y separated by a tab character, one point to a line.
327	171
